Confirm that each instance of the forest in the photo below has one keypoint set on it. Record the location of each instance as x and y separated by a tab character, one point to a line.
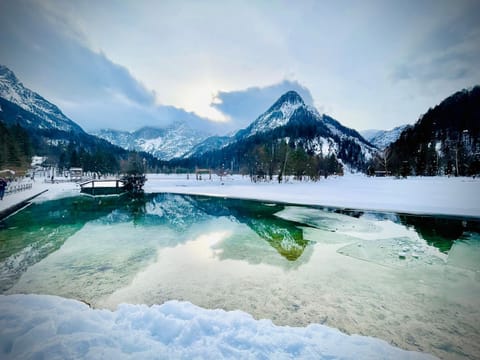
15	147
265	158
445	141
67	149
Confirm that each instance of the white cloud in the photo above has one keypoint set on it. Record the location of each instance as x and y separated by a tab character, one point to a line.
346	54
244	106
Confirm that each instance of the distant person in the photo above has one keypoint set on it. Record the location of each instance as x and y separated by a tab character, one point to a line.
3	186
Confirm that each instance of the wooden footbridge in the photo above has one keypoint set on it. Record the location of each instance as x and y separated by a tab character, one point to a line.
129	183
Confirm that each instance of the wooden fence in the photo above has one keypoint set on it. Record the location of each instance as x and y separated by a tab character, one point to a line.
13	188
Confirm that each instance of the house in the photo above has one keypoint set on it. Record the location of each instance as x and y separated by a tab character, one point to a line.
76	173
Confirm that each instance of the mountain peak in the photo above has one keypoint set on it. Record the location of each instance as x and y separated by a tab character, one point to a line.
277	115
49	115
7	74
290	97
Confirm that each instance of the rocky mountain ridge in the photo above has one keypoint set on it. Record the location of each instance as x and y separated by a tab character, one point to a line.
48	115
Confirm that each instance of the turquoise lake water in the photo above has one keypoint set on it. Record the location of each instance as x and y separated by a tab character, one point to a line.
413	281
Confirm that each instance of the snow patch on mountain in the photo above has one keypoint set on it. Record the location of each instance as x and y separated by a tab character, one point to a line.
278	115
383	138
168	143
209	144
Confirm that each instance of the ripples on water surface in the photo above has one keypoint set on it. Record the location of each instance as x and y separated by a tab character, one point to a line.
295	265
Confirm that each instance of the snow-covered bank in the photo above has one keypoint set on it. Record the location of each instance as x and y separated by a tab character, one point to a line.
415	195
40	326
55	191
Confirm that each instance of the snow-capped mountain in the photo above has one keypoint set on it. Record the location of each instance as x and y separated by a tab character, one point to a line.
211	143
31	125
48	115
382	138
318	133
300	125
173	141
277	115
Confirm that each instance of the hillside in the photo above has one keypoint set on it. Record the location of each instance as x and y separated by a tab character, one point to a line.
444	141
382	138
31	125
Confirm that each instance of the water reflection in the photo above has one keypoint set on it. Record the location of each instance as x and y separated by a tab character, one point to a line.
439	232
181	212
291	264
284	236
41	229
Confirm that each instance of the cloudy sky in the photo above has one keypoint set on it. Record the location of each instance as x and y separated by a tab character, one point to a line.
219	64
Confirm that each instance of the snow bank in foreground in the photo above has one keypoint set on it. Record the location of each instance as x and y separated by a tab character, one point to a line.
41	326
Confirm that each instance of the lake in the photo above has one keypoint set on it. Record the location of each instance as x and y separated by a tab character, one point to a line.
413	281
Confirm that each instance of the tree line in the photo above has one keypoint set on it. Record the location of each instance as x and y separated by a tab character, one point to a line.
265	158
64	150
445	141
15	147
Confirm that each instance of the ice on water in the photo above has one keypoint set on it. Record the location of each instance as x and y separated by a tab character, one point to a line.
377	238
326	220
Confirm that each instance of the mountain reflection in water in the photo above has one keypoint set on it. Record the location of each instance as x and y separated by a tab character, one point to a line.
179	212
292	264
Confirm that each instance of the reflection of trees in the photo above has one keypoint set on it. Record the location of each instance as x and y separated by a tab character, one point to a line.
49	224
136	207
440	232
350	212
41	229
62	212
43	221
284	236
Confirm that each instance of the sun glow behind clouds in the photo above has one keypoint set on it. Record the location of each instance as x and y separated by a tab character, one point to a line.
197	97
370	65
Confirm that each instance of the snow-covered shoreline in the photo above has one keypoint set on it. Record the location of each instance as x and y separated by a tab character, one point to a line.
414	195
448	196
41	326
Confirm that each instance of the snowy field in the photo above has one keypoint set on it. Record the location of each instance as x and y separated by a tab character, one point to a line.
34	326
414	195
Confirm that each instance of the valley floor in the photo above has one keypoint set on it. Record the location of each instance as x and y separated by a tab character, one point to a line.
415	195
